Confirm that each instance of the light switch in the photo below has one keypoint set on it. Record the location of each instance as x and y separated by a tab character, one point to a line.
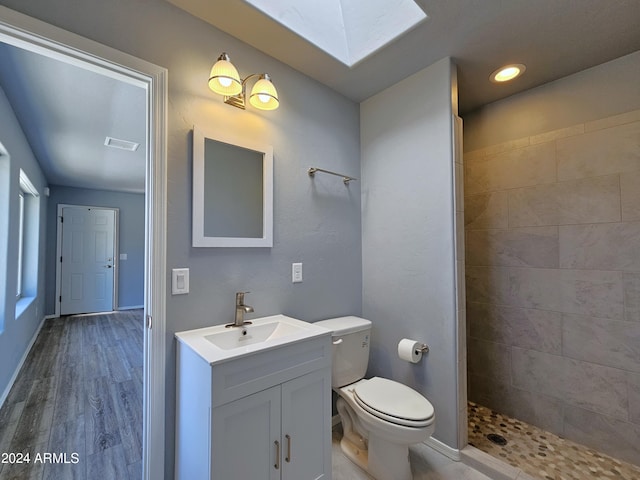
179	281
296	272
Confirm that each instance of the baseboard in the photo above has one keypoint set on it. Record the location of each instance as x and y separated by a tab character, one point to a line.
5	394
134	307
446	450
49	317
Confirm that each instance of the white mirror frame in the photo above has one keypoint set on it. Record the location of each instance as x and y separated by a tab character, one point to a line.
198	237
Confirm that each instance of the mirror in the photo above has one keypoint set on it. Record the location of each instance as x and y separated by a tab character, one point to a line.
232	191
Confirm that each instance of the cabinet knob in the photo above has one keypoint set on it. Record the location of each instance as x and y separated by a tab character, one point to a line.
277	465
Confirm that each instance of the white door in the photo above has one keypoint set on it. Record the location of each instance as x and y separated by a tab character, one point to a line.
87	263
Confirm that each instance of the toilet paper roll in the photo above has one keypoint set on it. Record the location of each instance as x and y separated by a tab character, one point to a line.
409	350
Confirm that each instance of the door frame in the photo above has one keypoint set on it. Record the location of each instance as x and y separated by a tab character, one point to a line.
37	36
116	252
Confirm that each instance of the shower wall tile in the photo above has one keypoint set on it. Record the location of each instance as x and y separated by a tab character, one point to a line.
526	166
537	372
517	287
594	293
613	121
633	380
597	388
487	210
617	438
630	196
590	246
481	284
531	407
531	247
498	148
589	200
553	281
607	342
484	391
601	152
489	359
537	409
631	297
556	134
527	328
471	156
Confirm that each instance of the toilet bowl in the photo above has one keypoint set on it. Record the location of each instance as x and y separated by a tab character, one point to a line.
380	417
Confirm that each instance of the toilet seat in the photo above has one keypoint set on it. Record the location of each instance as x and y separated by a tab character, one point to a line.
393	402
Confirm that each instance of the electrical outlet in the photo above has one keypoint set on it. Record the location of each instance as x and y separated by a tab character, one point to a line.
296	272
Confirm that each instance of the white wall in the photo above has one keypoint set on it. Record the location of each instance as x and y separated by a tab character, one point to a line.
317	221
408	253
17	330
601	91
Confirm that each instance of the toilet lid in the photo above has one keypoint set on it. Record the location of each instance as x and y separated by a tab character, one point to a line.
394	402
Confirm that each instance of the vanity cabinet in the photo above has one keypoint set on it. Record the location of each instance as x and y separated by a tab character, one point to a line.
265	416
288	419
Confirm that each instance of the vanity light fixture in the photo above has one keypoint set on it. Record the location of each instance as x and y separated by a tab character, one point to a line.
225	80
508	72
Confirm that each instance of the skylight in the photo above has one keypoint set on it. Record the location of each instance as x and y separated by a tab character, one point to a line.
348	30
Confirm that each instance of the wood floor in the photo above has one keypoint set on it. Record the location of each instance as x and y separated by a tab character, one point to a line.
79	393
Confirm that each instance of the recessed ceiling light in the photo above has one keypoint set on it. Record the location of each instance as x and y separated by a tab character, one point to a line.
122	144
508	72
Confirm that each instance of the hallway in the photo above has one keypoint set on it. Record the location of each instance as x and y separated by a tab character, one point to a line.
78	396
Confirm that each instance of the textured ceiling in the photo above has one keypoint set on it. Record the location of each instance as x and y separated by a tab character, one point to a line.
66	113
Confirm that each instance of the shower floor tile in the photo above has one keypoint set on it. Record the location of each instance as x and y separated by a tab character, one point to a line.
540	453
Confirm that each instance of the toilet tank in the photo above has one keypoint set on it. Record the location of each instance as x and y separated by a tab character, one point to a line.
350	348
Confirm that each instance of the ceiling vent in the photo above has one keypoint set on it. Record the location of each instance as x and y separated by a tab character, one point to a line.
121	144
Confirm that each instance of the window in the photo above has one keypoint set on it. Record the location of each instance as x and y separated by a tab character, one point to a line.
5	200
28	222
20	242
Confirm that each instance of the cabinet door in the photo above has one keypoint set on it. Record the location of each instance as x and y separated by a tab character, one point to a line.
306	427
243	438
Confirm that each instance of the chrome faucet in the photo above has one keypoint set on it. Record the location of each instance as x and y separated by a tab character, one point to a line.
241	309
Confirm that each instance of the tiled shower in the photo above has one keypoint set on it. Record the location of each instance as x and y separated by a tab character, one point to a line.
552	225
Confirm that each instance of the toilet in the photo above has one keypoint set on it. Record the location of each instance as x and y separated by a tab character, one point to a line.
380	417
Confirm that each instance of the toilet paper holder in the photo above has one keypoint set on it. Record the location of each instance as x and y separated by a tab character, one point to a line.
423	348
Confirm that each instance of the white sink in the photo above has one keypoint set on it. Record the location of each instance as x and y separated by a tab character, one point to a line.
218	343
236	337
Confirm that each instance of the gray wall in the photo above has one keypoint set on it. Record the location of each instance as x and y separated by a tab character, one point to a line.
408	235
316	222
130	240
553	260
17	331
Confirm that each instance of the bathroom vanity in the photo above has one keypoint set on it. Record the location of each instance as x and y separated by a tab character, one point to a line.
254	402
